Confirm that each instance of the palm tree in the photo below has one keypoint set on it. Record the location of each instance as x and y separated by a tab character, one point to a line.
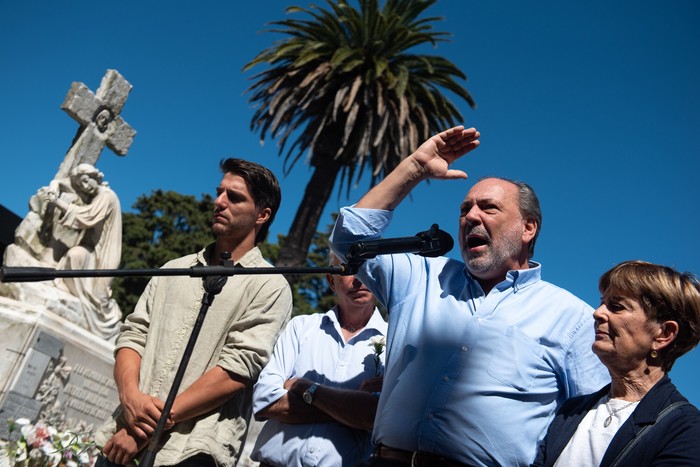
344	86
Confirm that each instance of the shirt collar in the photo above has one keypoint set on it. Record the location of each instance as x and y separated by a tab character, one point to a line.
521	278
516	278
375	323
252	258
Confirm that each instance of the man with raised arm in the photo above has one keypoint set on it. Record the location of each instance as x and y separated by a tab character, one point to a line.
480	353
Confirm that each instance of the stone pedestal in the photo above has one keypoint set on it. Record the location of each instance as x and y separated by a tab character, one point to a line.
53	369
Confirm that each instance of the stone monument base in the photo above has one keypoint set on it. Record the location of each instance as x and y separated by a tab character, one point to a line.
53	369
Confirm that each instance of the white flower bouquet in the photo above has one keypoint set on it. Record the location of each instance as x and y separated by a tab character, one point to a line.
40	445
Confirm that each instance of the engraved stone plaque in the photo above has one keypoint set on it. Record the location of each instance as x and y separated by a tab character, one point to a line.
17	406
60	373
31	375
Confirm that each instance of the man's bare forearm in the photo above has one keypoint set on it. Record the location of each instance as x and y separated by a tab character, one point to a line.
126	371
350	407
388	193
291	408
208	392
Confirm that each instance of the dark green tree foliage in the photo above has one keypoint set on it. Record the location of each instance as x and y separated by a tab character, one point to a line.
350	89
311	292
166	225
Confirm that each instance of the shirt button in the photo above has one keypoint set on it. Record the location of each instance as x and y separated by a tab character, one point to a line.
445	378
465	349
481	320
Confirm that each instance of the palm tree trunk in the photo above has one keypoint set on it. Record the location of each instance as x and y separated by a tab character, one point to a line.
296	246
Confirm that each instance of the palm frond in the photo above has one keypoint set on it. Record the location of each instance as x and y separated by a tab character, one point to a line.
346	85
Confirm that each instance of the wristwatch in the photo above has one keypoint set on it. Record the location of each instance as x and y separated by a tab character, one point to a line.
309	393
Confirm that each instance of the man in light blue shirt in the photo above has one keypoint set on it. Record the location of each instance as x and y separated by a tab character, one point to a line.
479	354
317	391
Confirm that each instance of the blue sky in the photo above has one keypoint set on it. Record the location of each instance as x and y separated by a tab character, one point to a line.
595	104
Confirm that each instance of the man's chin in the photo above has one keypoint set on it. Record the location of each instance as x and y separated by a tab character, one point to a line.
471	259
477	267
217	229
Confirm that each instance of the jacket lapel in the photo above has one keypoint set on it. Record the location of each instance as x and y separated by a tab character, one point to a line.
645	414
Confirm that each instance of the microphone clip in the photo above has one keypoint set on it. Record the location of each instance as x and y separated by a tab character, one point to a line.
435	242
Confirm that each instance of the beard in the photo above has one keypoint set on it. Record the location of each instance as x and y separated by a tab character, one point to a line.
499	254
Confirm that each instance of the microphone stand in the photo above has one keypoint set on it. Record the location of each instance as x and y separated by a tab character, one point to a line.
214	278
212	286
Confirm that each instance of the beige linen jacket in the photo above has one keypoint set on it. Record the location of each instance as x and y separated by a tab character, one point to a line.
238	334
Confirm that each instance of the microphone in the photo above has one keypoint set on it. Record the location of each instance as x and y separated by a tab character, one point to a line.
432	242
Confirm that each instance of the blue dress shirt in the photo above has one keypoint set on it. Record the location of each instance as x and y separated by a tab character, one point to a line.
473	377
312	347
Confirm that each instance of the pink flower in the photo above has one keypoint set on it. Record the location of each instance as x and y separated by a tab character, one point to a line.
36	435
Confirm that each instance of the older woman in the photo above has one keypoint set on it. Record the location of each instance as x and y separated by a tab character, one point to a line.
648	317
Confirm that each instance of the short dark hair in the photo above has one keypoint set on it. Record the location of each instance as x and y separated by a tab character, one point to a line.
665	295
529	206
263	187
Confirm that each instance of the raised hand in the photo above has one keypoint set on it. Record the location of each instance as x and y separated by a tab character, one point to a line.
436	154
431	160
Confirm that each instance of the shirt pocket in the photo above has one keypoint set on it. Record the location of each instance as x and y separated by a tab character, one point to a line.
515	357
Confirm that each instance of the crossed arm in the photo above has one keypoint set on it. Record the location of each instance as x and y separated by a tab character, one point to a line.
355	408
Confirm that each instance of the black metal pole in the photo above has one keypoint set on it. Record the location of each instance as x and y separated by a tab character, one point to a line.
214	278
37	274
212	286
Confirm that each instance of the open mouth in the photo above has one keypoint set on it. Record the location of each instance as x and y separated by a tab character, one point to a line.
474	241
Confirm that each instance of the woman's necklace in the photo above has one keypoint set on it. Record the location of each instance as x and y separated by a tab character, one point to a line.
612	412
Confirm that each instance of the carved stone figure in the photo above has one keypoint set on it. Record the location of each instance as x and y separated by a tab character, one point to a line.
56	378
100	122
75	223
98	219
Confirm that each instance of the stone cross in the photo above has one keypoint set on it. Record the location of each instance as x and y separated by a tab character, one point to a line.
100	122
